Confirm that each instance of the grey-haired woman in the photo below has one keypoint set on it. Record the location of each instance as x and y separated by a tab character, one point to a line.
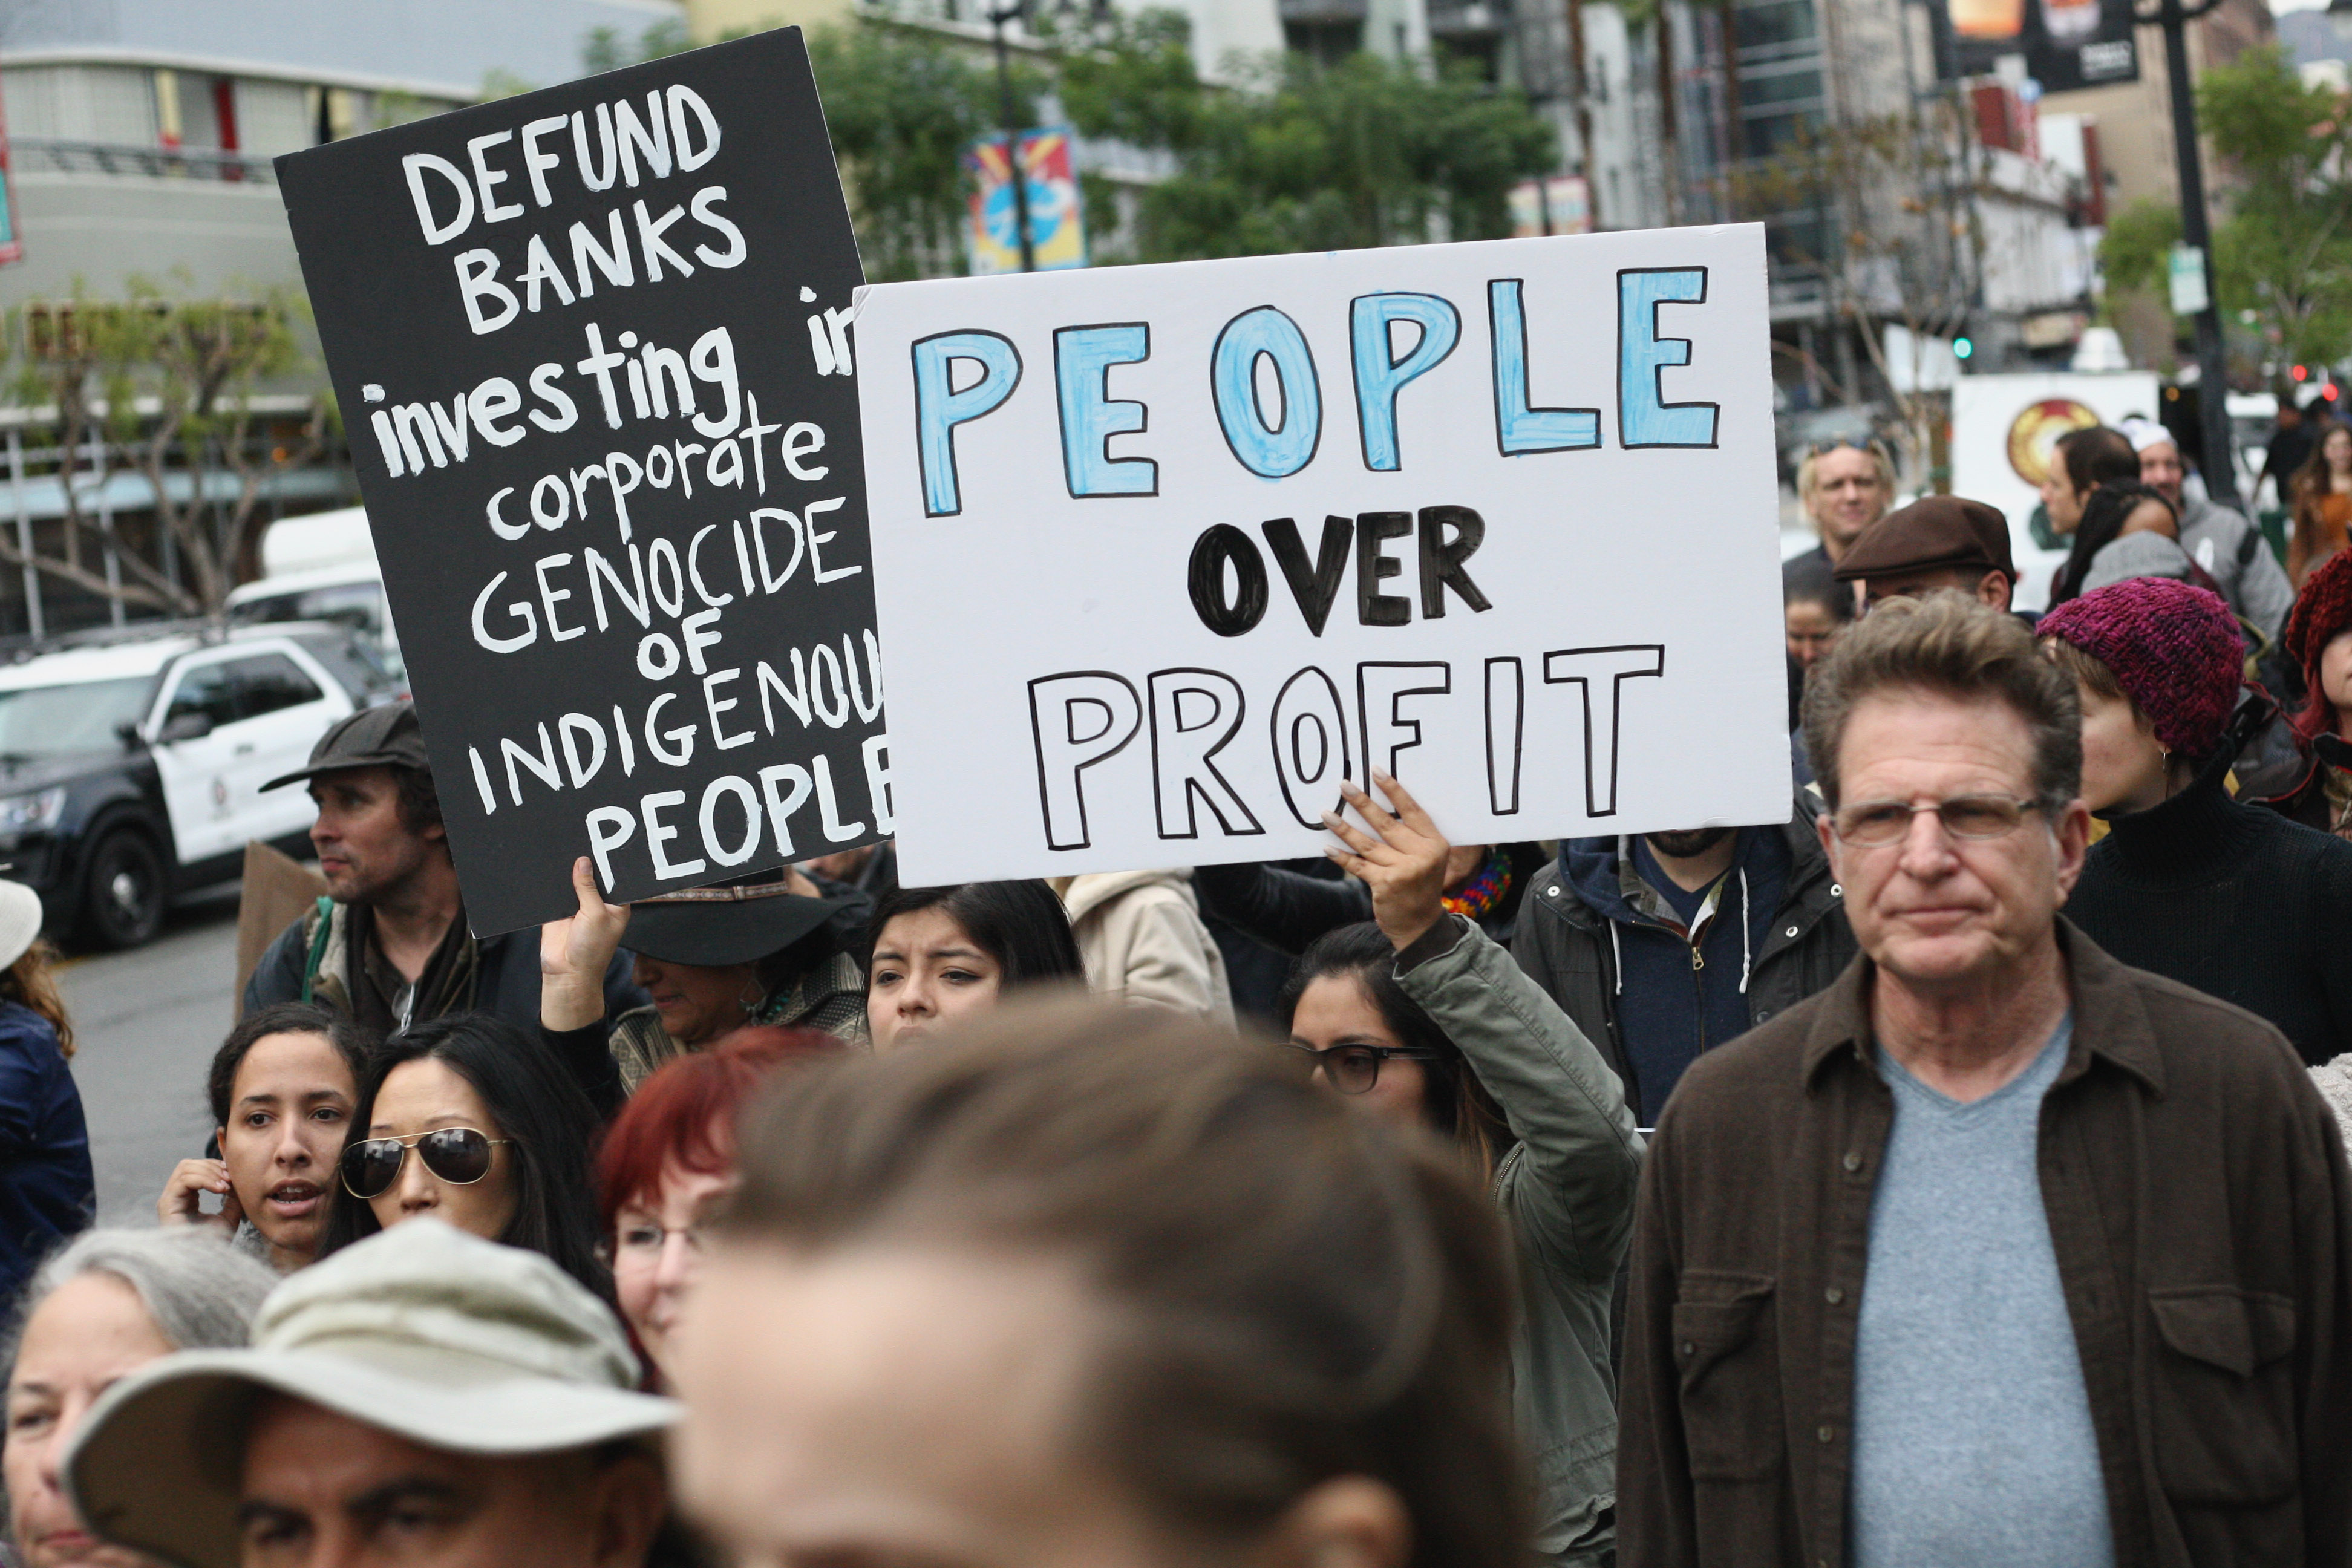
109	1303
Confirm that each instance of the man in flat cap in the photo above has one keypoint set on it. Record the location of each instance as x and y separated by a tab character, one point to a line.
391	947
422	1398
1937	542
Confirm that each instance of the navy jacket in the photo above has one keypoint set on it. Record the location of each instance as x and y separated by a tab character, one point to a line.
46	1192
1629	985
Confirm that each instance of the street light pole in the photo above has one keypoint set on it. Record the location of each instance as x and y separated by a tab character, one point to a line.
2197	234
1011	120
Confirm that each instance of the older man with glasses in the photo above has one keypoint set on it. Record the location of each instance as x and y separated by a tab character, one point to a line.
1844	487
1997	1251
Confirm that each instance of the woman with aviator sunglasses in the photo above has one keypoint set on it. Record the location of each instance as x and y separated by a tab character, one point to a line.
471	1121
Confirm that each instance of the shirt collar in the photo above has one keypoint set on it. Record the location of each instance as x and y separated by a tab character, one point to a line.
2110	1020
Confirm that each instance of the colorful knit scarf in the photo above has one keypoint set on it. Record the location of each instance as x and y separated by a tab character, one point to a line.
1485	890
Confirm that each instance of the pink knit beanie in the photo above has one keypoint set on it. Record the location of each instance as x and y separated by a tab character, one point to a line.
2174	649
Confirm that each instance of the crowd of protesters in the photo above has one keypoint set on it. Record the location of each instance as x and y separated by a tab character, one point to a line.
1953	1173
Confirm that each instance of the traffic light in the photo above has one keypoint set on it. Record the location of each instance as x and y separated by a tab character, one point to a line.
1962	348
2299	372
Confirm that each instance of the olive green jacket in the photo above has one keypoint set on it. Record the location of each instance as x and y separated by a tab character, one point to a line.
1567	1187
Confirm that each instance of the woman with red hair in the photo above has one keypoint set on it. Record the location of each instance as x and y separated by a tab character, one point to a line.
2316	789
668	1161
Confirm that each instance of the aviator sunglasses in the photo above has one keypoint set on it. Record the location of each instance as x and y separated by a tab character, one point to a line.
458	1155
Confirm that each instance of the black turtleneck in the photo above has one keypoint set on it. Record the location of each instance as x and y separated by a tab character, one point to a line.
2235	901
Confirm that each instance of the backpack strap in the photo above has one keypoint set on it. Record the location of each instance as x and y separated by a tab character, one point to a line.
325	914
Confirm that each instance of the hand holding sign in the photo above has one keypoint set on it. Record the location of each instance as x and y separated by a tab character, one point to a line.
574	953
1401	855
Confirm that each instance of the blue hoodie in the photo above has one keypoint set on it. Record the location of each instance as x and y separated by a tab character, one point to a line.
1673	1005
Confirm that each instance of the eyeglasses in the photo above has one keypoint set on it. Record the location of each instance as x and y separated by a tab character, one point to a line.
1876	823
1353	1069
1869	444
458	1155
650	1240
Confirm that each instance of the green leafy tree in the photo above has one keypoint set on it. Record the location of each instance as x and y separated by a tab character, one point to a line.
1302	156
2133	252
2282	248
902	105
2285	250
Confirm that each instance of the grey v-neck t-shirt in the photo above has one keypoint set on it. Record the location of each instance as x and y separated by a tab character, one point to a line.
1972	1439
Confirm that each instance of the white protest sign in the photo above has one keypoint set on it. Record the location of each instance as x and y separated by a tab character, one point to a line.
1162	552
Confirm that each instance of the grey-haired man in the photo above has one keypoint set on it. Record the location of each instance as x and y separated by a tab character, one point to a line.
424	1398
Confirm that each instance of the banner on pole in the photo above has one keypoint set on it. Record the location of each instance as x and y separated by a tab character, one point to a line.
1163	552
592	346
12	245
1057	229
1561	205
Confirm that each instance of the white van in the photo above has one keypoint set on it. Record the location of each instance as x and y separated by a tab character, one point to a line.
322	567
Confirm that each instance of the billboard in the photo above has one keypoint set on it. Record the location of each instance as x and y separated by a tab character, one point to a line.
11	247
2066	43
1057	228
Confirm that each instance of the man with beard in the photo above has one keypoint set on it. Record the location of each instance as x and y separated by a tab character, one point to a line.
1663	945
390	947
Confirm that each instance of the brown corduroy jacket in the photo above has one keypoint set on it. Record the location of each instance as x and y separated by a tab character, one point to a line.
2201	1210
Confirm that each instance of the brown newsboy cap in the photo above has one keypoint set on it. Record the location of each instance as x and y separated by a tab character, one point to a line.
1933	534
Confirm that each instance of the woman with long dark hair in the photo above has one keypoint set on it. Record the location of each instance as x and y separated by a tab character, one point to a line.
1371	1042
1422	1018
2108	544
934	954
472	1122
282	1091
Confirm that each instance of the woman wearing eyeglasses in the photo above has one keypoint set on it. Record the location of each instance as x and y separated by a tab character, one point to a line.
471	1121
1421	1017
667	1162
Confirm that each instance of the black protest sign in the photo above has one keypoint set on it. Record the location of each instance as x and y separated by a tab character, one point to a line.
592	346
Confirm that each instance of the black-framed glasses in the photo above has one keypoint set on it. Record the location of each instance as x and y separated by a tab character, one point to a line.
458	1155
1353	1069
1876	823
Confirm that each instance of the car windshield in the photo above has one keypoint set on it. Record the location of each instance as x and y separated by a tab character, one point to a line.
57	721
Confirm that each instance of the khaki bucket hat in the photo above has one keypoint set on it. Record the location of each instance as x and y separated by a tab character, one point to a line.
422	1331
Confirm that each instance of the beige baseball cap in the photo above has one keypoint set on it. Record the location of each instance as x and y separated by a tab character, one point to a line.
422	1331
